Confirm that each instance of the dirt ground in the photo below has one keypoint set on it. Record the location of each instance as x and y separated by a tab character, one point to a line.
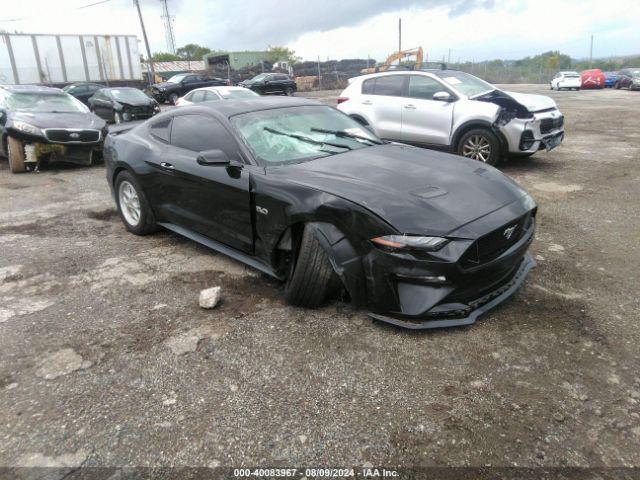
106	358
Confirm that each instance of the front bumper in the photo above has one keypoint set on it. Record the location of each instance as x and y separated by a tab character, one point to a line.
525	136
467	314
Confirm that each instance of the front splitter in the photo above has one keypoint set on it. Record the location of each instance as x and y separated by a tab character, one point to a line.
527	264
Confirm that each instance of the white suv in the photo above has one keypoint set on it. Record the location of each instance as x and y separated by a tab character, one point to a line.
455	111
568	80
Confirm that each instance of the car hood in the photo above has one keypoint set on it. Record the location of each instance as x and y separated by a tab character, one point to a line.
60	120
138	103
164	85
414	190
533	103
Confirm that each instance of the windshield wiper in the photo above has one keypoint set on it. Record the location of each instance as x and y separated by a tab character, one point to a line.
344	133
302	138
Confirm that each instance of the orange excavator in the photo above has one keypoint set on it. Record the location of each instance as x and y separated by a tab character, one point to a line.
402	55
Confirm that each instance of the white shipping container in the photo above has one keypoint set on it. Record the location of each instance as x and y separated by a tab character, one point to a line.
53	59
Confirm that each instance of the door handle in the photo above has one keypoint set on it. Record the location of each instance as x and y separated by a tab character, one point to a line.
367	102
166	165
410	106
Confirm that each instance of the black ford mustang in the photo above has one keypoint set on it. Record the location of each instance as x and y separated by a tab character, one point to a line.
302	192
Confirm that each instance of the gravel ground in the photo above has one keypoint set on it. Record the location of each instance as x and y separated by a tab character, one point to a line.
106	359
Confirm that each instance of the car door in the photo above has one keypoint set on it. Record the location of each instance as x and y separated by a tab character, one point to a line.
101	105
381	103
425	120
212	200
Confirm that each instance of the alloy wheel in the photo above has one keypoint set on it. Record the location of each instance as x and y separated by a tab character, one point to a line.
477	147
129	203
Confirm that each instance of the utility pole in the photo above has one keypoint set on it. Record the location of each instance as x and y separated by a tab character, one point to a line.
449	57
591	53
150	69
400	34
319	75
168	27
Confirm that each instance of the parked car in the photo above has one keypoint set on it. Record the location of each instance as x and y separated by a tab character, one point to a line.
306	194
566	80
181	84
43	124
123	104
591	79
610	79
82	91
271	83
629	78
453	110
208	94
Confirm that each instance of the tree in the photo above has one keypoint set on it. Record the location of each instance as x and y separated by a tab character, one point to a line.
281	54
192	51
164	57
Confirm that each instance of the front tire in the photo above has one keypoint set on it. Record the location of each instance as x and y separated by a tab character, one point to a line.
311	278
289	92
173	98
133	207
480	144
15	154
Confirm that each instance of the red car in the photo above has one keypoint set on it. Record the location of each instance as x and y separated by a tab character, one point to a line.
592	78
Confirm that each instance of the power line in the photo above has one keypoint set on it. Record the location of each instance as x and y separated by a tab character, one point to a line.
20	19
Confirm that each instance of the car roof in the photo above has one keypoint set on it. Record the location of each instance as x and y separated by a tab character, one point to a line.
408	72
222	88
235	107
32	89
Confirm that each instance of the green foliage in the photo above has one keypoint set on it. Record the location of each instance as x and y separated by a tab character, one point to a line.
282	54
192	51
164	57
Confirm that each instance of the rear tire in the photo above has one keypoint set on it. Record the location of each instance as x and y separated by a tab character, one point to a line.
133	207
289	92
480	144
311	278
15	154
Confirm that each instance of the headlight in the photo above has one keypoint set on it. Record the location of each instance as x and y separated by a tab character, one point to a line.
27	128
399	242
126	116
156	108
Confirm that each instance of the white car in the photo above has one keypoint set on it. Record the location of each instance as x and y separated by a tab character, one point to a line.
566	80
207	94
453	110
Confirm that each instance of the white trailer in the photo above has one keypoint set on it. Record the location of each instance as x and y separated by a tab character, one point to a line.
57	59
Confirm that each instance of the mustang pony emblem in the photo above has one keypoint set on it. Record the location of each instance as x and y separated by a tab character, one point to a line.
509	231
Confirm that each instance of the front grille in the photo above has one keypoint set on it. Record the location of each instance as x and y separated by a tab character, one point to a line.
549	124
495	243
60	135
141	110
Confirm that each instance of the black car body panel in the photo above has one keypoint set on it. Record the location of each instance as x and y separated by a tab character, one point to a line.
348	199
82	91
272	83
104	104
628	78
162	92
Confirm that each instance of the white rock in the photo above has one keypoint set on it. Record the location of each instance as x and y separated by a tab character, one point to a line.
61	363
187	342
302	438
210	297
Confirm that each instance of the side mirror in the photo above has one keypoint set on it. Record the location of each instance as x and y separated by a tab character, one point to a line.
213	157
442	96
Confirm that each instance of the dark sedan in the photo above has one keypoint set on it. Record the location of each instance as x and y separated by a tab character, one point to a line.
43	124
304	193
629	78
123	104
271	83
181	84
82	91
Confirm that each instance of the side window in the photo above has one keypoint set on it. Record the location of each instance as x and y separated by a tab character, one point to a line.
389	85
161	129
197	96
199	133
79	89
424	87
94	88
210	96
368	86
191	79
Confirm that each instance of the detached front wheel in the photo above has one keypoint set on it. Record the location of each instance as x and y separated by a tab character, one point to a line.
15	154
311	277
480	144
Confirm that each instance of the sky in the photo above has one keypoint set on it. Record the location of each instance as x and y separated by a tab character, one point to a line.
466	30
